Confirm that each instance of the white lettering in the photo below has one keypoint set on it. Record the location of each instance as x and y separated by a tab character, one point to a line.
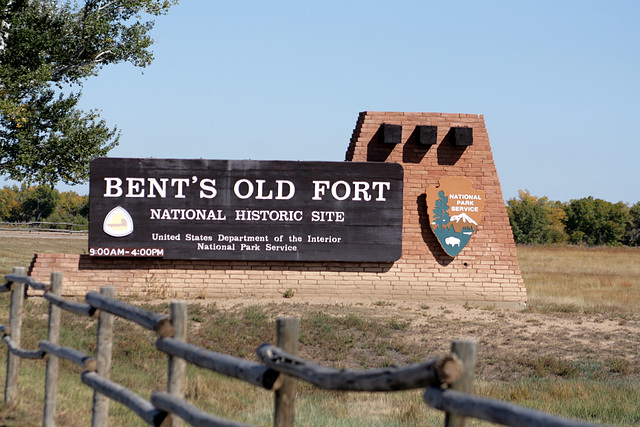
464	209
334	190
236	189
342	190
113	184
327	216
181	182
323	239
188	214
161	189
281	248
261	195
281	184
243	238
208	188
361	191
136	187
267	215
319	189
381	187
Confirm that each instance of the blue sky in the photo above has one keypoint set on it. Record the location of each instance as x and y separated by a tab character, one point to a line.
557	82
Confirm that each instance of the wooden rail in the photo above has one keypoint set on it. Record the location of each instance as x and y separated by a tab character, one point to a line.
44	226
495	411
234	367
419	375
281	367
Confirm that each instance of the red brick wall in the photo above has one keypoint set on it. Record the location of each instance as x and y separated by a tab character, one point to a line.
485	272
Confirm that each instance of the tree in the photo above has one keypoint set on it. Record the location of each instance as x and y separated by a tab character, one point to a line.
71	209
633	226
48	49
39	202
9	204
43	203
71	204
535	220
440	214
596	222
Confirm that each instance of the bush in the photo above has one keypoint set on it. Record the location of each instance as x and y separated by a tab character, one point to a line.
43	203
586	221
536	220
596	222
633	226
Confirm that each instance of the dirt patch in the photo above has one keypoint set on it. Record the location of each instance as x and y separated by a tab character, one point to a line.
511	344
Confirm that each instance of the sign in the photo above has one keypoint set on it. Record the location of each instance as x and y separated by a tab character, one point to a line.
455	210
246	210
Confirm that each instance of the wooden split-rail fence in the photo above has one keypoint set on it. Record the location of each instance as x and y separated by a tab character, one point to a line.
448	381
41	226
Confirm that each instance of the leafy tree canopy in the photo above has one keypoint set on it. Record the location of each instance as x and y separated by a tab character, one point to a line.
596	221
586	221
25	203
47	50
633	226
535	220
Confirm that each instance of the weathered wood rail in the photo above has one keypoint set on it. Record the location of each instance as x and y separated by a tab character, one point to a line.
41	226
448	380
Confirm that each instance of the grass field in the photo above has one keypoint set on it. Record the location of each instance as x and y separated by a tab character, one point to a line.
568	278
16	251
572	352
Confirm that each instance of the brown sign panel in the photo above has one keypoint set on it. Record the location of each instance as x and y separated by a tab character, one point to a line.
455	211
246	210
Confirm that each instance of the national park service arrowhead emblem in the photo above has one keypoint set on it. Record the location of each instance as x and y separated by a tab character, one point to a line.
455	210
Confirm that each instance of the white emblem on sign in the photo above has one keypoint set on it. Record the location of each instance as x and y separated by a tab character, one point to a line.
118	222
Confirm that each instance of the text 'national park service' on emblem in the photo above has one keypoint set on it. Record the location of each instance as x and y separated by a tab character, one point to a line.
455	210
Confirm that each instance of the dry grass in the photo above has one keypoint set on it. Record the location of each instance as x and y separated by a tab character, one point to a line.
570	278
556	356
520	359
16	250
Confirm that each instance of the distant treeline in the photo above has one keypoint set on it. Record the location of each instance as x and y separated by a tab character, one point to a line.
42	203
586	221
534	220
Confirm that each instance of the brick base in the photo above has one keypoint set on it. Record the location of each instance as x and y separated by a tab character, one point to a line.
486	271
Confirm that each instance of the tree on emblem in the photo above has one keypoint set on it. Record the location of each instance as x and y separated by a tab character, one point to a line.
440	214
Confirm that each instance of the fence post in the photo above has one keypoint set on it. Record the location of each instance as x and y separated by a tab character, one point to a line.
466	350
177	365
287	330
15	329
104	344
53	362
